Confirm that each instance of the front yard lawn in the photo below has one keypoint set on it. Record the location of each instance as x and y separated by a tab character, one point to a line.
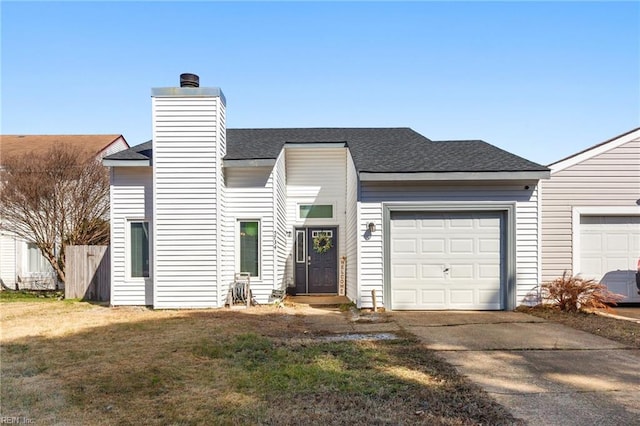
75	363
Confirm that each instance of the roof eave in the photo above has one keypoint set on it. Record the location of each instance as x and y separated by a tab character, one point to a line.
126	163
257	162
455	176
595	150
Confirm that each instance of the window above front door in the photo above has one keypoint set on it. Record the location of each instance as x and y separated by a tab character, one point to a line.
315	211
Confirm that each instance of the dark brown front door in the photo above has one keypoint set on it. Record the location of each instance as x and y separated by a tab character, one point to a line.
316	259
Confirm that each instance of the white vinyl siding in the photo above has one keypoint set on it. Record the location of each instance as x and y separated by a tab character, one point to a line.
316	176
373	195
352	230
8	247
188	136
282	227
131	199
249	196
116	146
609	180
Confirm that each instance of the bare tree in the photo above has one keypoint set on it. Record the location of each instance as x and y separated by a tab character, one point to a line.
54	199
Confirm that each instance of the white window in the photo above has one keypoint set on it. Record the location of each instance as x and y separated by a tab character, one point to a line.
327	233
36	261
315	211
249	247
301	246
139	249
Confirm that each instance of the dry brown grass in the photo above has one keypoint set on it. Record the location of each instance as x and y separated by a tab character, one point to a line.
75	363
625	332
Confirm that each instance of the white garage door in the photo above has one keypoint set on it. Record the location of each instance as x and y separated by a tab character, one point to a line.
609	251
446	260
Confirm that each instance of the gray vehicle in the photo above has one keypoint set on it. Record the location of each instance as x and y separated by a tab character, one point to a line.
638	277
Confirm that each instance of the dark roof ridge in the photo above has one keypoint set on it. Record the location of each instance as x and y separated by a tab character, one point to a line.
461	140
321	128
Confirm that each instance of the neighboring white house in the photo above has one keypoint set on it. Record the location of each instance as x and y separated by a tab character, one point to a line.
591	215
21	264
343	211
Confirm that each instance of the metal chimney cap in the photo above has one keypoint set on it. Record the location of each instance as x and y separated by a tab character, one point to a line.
189	80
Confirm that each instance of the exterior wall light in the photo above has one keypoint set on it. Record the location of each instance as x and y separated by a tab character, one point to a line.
372	227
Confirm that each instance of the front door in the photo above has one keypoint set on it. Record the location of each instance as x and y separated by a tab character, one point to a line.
316	260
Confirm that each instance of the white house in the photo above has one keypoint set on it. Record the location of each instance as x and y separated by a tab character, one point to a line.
21	263
591	215
426	224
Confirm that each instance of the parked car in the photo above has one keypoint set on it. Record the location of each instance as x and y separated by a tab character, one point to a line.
638	276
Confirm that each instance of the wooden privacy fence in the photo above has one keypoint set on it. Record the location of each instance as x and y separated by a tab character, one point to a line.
88	273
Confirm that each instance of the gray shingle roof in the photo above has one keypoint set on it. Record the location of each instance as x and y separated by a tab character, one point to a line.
138	152
375	150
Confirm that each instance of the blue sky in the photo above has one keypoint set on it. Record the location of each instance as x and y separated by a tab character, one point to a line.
540	79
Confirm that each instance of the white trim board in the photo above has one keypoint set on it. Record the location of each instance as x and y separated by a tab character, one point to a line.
594	151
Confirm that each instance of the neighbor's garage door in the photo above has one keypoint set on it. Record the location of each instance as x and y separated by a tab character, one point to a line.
446	260
609	251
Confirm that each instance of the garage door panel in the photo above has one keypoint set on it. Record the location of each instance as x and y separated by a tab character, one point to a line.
489	246
400	272
408	246
406	297
487	301
431	271
462	297
461	223
435	223
406	224
489	223
433	245
459	261
433	297
487	271
616	263
591	267
617	242
591	242
462	271
609	249
461	246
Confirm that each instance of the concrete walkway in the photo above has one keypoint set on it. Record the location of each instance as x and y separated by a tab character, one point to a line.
545	373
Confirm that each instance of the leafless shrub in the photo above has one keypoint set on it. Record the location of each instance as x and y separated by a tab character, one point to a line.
573	294
55	198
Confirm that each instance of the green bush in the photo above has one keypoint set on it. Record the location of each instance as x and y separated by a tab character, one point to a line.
573	294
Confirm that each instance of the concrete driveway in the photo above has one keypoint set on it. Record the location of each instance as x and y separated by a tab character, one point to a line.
545	373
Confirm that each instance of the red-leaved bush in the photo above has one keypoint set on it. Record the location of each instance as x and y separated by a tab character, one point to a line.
575	294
